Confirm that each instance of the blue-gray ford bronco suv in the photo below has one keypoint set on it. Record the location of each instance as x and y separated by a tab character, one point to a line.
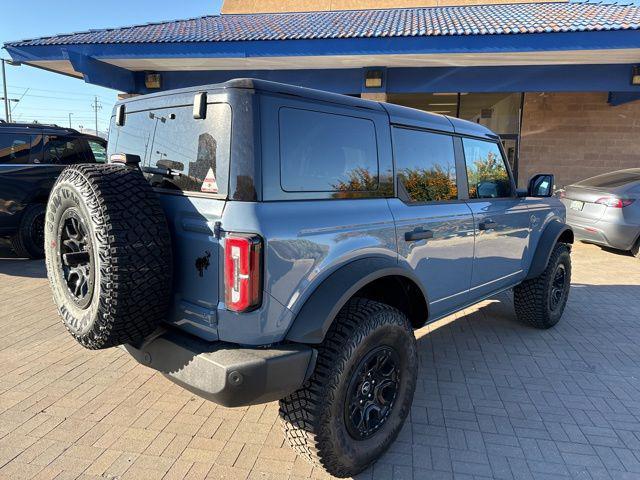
255	241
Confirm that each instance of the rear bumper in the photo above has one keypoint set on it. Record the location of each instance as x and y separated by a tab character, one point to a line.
617	235
227	374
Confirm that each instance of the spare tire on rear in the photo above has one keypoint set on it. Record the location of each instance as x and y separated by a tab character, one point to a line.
108	254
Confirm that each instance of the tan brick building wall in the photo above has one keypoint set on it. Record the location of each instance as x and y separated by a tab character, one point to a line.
262	6
577	135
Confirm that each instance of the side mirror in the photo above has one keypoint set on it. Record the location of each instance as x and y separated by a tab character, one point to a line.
541	185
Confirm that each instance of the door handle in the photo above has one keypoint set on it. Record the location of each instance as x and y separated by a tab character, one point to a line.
418	234
487	225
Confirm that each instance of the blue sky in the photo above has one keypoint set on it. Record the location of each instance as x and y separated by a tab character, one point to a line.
49	97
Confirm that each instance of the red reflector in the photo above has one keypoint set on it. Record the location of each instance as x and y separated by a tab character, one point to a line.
614	202
242	272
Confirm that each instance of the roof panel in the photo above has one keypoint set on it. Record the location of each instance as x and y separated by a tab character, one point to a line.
406	22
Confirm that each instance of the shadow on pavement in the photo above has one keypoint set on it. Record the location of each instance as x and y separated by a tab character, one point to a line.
19	267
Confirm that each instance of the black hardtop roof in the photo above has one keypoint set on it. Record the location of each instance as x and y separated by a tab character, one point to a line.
397	114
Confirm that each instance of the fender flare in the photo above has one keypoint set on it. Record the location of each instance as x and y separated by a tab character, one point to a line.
318	312
550	236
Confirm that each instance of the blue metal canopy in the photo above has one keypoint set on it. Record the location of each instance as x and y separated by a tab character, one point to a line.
511	47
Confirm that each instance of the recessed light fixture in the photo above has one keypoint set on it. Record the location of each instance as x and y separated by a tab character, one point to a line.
635	76
152	80
373	79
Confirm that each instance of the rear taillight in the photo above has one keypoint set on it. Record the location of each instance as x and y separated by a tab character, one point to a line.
614	202
242	272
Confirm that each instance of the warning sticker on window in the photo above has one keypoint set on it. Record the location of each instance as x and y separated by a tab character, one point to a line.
209	185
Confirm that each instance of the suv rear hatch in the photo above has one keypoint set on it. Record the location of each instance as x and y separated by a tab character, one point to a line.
187	162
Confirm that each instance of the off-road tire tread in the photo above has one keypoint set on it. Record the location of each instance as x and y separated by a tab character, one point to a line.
19	240
530	297
301	412
133	244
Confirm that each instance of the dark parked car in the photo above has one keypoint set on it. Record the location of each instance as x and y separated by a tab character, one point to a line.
605	209
31	158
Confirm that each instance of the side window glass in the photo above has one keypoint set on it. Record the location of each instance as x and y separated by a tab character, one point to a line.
63	150
486	171
14	148
325	152
99	151
425	165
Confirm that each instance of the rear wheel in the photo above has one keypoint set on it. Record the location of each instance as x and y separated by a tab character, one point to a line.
635	251
355	403
540	302
108	254
28	242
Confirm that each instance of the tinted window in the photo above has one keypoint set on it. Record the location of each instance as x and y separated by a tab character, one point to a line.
99	151
64	150
613	179
195	151
14	148
486	170
323	152
426	165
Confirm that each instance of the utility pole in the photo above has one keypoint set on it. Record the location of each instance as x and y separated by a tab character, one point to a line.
7	115
69	120
96	106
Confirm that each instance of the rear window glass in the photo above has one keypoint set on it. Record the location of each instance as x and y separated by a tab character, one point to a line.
324	152
178	152
612	180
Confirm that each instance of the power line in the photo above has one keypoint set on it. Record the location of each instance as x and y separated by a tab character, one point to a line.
66	99
96	106
66	92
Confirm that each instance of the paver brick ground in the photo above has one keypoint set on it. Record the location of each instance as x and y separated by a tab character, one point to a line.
495	399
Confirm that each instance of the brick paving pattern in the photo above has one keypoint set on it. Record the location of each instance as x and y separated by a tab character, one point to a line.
495	399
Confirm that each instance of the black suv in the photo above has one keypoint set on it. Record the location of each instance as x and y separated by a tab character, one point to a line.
31	158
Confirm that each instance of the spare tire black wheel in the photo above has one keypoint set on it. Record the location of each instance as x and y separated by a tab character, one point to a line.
108	254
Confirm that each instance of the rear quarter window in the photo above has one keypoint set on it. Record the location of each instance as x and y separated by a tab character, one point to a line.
326	152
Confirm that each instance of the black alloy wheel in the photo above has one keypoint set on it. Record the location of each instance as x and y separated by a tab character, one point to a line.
76	258
372	392
558	287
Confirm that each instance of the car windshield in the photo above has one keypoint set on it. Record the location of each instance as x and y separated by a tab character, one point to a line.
613	179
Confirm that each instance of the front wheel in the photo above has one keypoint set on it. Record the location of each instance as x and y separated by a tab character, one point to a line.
540	301
356	401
